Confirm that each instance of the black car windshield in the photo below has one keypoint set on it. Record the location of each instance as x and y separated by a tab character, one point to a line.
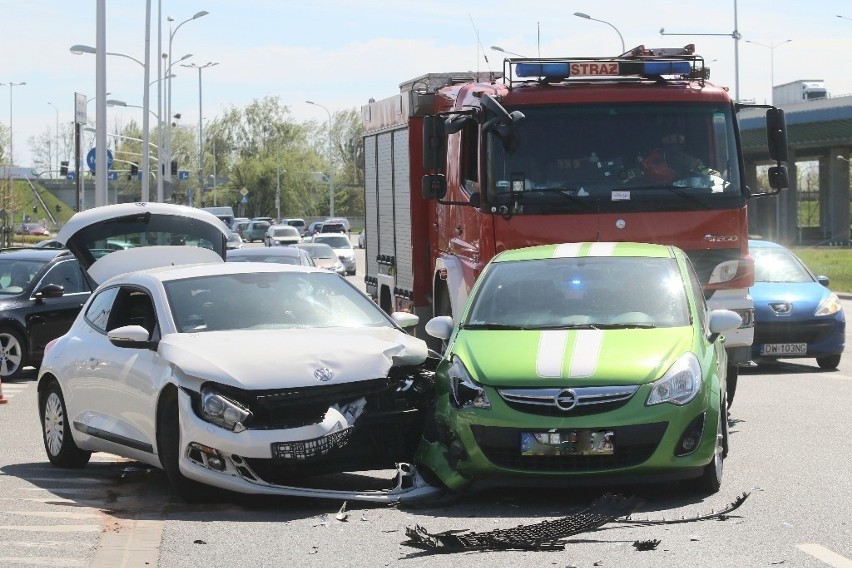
270	300
586	292
16	274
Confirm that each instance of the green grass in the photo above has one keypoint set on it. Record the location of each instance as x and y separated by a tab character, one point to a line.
834	262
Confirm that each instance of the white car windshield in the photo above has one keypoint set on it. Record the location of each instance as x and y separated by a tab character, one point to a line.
334	241
270	300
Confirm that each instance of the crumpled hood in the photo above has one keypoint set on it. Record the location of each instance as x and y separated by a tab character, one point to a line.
556	357
274	359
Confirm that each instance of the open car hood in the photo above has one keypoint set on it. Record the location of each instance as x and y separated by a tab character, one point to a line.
115	239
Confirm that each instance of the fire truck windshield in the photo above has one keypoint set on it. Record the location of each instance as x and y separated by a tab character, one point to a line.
616	157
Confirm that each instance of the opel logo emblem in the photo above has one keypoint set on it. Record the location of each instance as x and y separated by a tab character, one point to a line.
565	400
324	374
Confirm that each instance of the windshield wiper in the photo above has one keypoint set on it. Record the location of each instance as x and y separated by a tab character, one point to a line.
491	326
627	325
677	191
569	193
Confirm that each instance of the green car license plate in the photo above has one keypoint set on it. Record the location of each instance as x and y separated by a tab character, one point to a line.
568	443
784	349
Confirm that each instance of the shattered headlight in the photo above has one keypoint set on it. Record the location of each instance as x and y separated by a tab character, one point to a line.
680	384
464	391
222	411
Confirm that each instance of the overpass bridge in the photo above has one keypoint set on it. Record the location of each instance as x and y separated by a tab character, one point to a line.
818	131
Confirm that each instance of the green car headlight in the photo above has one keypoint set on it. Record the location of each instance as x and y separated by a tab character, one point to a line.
223	411
464	392
830	305
680	384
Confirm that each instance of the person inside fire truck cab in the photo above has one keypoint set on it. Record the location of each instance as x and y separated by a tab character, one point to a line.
669	163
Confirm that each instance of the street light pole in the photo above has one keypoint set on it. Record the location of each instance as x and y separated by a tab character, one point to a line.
736	35
498	48
771	47
200	130
8	194
588	17
57	138
168	117
330	170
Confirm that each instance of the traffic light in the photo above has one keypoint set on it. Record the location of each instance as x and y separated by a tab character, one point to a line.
134	169
63	168
174	167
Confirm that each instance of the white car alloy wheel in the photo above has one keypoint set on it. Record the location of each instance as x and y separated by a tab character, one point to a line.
60	446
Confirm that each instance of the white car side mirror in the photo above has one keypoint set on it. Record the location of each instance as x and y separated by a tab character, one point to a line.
405	319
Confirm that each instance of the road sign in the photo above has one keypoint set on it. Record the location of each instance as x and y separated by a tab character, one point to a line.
71	176
183	174
90	159
112	176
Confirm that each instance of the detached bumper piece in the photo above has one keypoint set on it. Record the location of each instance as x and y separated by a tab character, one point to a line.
546	535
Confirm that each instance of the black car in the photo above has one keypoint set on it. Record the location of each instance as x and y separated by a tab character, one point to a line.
41	292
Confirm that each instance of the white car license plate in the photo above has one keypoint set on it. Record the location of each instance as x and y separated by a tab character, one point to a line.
568	443
784	349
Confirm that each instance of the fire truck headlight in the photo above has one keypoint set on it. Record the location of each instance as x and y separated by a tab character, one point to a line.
724	272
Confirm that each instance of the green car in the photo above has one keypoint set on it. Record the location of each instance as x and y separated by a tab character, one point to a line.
581	362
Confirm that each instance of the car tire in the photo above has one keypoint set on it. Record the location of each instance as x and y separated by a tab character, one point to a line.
168	446
732	378
829	362
13	354
711	477
61	449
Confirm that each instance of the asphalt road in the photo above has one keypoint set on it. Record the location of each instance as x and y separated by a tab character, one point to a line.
790	451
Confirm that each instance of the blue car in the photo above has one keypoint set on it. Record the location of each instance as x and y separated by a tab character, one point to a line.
796	315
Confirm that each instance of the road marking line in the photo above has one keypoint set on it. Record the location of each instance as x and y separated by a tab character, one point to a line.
825	555
53	528
54	562
54	514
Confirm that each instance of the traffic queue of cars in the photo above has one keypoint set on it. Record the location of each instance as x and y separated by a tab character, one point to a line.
552	374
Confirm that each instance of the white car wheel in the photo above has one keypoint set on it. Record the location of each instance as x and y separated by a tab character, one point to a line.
56	431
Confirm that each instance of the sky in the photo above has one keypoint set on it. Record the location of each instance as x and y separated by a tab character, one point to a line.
341	53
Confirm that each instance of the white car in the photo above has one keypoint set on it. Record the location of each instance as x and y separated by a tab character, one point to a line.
238	375
342	247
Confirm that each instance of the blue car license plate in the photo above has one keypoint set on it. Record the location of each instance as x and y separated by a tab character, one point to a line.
784	349
568	443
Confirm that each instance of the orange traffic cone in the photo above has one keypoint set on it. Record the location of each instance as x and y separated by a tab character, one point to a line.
2	398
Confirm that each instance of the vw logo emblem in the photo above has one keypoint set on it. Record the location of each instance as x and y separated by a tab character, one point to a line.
324	374
565	400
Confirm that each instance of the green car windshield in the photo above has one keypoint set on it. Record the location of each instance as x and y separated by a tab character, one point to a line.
587	292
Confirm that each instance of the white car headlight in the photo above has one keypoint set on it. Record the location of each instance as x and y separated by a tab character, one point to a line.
223	411
830	305
680	384
465	393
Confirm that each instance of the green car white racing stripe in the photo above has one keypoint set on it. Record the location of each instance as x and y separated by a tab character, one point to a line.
571	250
584	355
551	353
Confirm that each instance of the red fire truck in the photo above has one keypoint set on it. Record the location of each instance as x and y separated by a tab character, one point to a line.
639	147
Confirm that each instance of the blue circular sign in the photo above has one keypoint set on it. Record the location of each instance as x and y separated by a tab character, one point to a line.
90	159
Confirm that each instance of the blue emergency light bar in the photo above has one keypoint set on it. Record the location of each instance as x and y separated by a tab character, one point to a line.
589	68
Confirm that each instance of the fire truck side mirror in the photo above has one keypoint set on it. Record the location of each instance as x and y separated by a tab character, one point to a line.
433	186
434	144
778	178
776	134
